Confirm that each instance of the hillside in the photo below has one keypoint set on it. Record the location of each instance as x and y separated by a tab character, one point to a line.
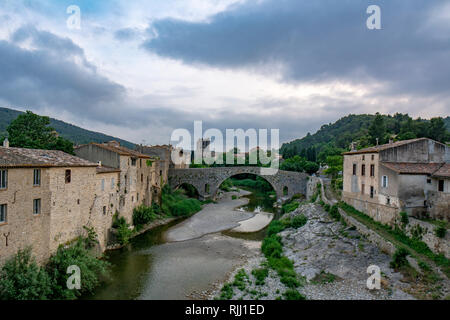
73	133
355	128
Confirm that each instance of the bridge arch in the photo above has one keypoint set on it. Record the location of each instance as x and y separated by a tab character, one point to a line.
274	187
295	182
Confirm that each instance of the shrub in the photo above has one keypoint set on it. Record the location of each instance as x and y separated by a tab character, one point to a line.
399	258
440	231
143	215
186	207
92	269
292	294
327	207
298	221
240	280
272	247
290	206
22	279
234	197
404	218
275	227
226	292
334	213
260	275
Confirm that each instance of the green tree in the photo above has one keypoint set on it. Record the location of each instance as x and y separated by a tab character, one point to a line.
377	129
32	131
437	130
22	279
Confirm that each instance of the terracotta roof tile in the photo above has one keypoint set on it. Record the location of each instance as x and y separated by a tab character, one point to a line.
412	168
443	172
20	157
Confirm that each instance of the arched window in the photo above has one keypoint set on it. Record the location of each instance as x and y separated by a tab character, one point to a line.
285	191
207	188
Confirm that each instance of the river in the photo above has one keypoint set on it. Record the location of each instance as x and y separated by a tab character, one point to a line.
186	259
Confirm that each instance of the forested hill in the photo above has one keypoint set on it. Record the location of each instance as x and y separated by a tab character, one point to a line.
364	129
73	133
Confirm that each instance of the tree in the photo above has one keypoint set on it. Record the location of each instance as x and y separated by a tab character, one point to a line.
377	129
32	131
437	130
22	279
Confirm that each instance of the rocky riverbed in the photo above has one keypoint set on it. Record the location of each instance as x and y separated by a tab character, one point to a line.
331	261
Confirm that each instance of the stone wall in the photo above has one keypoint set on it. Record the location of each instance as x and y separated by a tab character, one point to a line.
426	232
23	228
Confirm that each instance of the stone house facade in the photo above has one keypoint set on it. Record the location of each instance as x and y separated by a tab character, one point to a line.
46	199
384	180
139	177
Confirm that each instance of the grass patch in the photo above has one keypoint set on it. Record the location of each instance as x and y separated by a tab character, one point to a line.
292	294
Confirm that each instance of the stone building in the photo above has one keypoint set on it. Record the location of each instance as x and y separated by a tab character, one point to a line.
47	197
139	182
410	175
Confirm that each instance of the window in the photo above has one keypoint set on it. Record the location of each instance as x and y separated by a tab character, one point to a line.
3	179
104	210
363	170
133	162
103	185
372	191
37	206
384	181
140	163
3	213
372	170
68	176
132	199
113	183
363	186
441	186
388	200
37	177
354	169
373	157
364	157
142	178
137	197
428	181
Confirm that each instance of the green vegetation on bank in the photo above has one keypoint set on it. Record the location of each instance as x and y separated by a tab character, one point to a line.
399	237
176	204
22	279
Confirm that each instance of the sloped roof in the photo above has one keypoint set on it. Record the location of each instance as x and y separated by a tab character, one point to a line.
381	147
119	150
20	157
413	168
443	172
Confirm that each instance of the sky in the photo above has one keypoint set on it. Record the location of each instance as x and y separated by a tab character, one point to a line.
139	69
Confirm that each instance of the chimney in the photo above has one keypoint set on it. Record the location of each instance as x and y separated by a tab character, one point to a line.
99	163
391	141
353	146
377	141
6	143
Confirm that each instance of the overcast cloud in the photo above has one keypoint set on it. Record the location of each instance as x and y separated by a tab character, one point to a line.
139	69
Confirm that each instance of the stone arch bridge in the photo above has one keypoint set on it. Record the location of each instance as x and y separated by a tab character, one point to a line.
208	180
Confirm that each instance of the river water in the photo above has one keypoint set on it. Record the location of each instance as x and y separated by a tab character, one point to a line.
186	259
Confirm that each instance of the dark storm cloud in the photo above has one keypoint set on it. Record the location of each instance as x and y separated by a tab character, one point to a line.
317	41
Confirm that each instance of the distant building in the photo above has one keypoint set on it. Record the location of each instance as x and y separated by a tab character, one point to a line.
46	197
411	175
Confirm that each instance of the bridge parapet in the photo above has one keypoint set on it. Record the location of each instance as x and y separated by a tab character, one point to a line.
208	180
